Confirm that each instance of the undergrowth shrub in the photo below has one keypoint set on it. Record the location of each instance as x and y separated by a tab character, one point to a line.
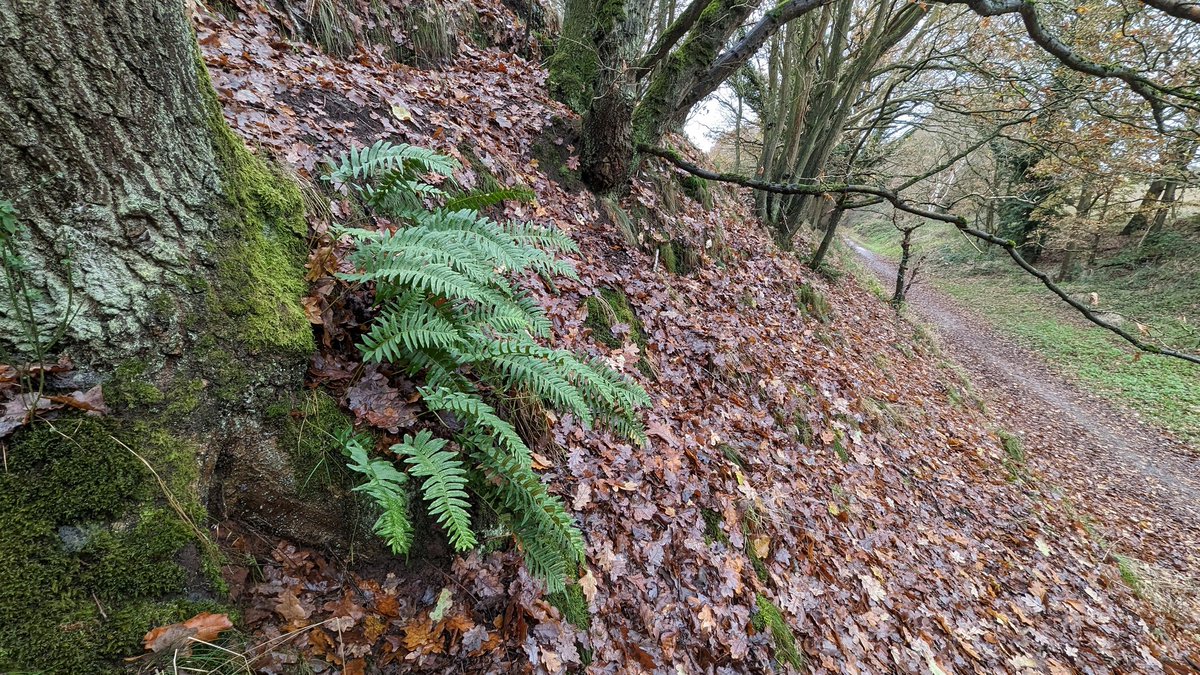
448	312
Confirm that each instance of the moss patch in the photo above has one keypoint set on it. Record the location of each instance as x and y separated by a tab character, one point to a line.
679	257
130	387
260	257
308	431
90	554
575	64
813	303
712	526
697	188
769	619
609	309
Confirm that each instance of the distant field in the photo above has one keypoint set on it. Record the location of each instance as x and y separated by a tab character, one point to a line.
1157	285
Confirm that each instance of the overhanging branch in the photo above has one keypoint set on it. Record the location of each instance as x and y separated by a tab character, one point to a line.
900	204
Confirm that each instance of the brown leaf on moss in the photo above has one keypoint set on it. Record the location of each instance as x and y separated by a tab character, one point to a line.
204	627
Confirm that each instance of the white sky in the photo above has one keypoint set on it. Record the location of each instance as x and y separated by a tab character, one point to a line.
704	118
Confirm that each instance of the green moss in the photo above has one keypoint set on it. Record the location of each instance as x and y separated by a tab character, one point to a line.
697	188
129	387
608	309
813	303
90	556
488	181
184	397
769	619
840	450
666	255
611	307
760	567
262	250
309	430
712	527
1129	575
575	64
730	453
573	606
1014	455
677	257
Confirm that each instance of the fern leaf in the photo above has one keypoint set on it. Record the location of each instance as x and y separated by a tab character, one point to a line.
445	485
408	327
384	484
522	364
480	200
384	156
470	408
524	496
393	525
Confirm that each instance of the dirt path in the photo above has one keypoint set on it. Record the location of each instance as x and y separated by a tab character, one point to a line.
1139	486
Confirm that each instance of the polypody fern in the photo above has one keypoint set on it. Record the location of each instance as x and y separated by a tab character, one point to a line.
449	313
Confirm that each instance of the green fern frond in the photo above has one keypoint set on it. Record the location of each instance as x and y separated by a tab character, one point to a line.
393	525
523	495
385	485
449	311
398	194
482	417
548	238
477	201
445	485
400	329
385	156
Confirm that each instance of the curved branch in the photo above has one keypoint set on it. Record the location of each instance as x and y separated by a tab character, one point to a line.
678	28
1179	10
900	204
728	63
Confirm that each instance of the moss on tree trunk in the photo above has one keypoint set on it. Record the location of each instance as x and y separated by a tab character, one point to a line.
185	282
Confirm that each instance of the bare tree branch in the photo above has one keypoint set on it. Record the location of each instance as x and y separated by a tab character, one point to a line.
901	204
678	28
728	62
1179	10
1148	89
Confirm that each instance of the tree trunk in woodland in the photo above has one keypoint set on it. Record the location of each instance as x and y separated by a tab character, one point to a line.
575	63
899	295
784	239
1150	200
607	153
185	268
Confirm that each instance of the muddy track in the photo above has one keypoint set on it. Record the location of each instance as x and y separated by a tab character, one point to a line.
1139	486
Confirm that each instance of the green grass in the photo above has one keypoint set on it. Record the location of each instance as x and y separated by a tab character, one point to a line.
1164	390
1157	285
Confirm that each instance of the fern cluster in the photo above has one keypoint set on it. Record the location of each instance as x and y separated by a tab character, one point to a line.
450	314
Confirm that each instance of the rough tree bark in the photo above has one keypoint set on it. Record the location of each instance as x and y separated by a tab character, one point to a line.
186	251
605	158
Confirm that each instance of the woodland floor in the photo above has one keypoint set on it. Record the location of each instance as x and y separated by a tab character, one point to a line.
810	458
1136	485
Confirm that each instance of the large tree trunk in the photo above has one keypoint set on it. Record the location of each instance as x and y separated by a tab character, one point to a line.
105	149
1150	200
182	291
607	153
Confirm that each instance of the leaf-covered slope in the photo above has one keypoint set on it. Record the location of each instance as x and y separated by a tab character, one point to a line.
828	467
